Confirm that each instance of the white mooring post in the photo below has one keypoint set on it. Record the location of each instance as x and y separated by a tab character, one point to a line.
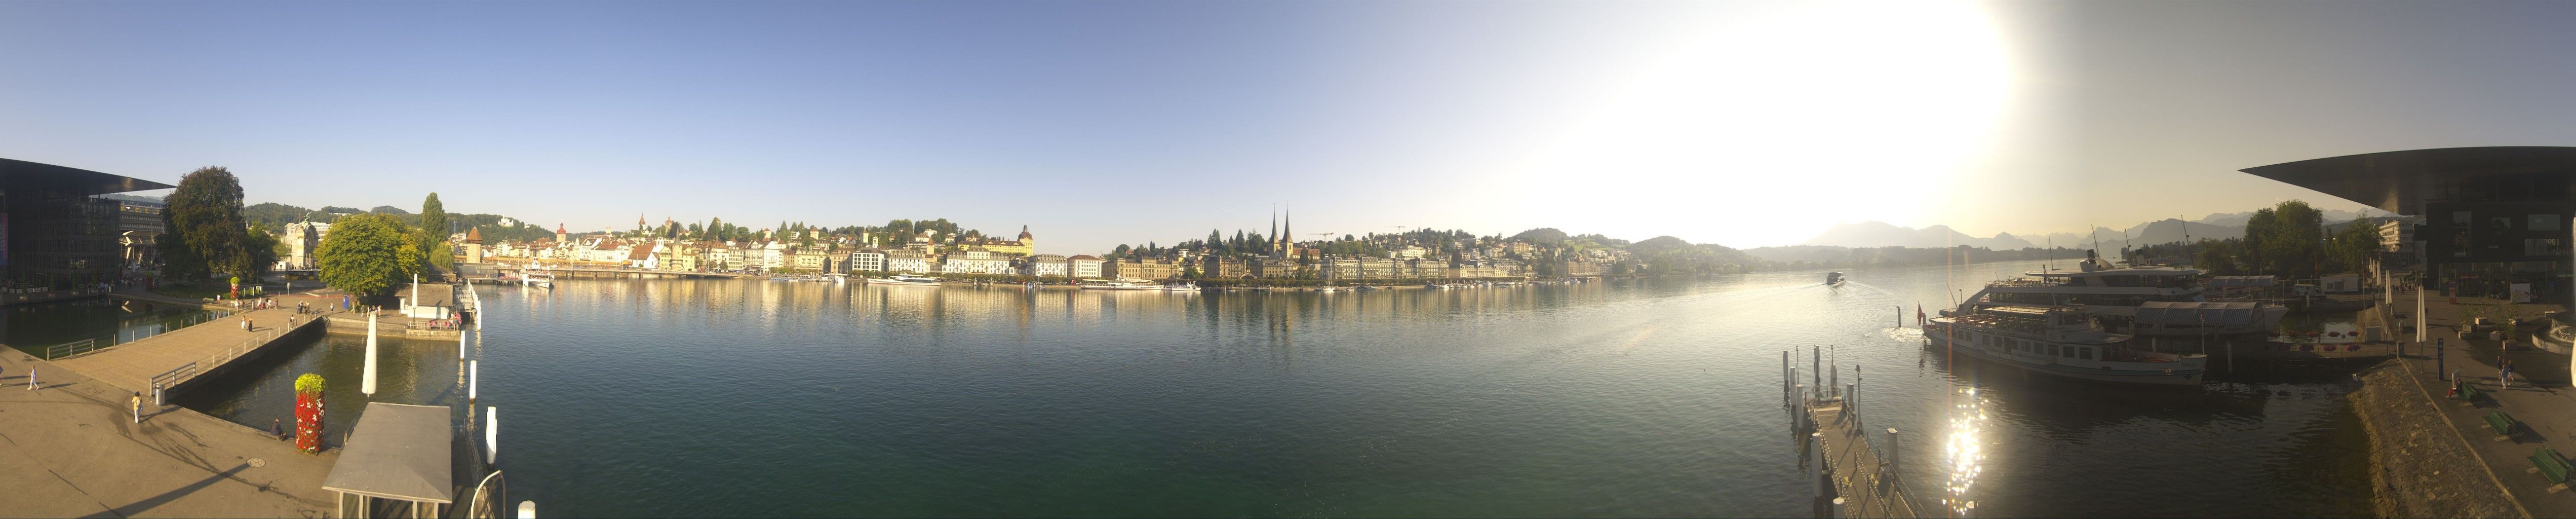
474	379
1823	475
1838	506
2419	312
492	435
527	510
460	343
1891	451
367	383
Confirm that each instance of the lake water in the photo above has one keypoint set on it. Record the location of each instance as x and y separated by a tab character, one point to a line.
1657	397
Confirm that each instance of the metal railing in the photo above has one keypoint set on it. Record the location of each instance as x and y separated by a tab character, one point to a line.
70	349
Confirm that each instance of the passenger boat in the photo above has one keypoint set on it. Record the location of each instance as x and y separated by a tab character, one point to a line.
536	276
1118	285
1833	278
2116	294
906	281
2064	341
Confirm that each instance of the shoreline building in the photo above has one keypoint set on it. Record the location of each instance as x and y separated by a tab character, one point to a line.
2493	217
57	239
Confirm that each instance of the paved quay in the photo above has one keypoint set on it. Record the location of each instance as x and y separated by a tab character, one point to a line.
71	449
2539	398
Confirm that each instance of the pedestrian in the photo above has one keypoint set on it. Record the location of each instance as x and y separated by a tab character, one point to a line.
138	408
2507	374
273	430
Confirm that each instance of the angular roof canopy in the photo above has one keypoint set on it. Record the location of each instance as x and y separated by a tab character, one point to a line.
18	176
2401	181
400	452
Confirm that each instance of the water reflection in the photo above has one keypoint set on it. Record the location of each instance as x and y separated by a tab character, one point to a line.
1964	452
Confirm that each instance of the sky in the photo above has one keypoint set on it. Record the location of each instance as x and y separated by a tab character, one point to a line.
1739	123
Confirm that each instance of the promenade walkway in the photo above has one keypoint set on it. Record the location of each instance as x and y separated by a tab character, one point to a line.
2539	398
72	449
178	357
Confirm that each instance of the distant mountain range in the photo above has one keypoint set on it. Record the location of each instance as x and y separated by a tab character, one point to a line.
2169	230
1881	234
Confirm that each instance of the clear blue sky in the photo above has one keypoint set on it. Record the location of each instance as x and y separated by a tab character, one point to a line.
1102	123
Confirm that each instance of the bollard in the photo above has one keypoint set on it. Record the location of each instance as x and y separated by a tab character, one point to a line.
473	378
159	397
527	510
460	343
1838	506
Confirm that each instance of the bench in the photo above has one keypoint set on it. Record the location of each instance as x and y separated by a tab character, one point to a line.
2551	465
2501	422
2467	393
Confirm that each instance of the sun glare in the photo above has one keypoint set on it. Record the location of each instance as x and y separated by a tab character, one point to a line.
1764	129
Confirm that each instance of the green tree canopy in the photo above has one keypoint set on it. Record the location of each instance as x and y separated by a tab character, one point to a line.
368	254
433	225
206	232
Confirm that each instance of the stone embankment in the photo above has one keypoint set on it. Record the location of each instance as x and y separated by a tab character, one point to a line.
2420	465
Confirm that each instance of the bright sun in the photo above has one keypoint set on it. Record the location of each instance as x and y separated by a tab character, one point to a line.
1765	129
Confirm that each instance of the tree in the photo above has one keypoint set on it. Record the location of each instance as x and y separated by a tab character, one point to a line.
433	226
205	227
368	254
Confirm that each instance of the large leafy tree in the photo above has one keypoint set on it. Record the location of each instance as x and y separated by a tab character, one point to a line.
368	254
206	231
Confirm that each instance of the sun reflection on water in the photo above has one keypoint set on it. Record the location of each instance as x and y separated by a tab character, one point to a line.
1964	457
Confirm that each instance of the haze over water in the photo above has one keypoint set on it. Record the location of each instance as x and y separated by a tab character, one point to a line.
1653	397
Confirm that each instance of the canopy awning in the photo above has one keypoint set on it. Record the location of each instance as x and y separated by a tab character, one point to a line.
2186	313
400	452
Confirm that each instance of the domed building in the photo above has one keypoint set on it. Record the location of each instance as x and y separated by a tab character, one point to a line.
1027	244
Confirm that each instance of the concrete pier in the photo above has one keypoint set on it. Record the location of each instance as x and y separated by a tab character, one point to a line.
179	357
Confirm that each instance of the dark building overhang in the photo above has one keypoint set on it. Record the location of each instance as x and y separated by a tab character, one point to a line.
2402	181
18	176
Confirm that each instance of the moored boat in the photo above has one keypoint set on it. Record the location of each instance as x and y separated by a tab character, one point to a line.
906	281
2064	341
1118	285
1833	278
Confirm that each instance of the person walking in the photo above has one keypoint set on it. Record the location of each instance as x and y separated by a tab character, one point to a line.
138	408
2506	375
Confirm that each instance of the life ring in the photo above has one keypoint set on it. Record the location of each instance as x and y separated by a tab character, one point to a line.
2334	334
2307	347
2352	347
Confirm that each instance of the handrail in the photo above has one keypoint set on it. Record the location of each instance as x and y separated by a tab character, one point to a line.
71	349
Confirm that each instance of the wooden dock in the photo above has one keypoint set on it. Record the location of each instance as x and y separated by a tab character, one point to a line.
1853	471
1851	477
174	359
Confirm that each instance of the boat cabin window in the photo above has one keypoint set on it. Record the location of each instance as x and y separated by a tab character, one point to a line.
2052	350
2084	353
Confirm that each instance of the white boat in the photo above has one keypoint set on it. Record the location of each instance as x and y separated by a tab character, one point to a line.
2064	341
1119	285
906	281
2115	294
536	276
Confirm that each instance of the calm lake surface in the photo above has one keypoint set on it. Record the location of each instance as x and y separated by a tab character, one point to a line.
1622	398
